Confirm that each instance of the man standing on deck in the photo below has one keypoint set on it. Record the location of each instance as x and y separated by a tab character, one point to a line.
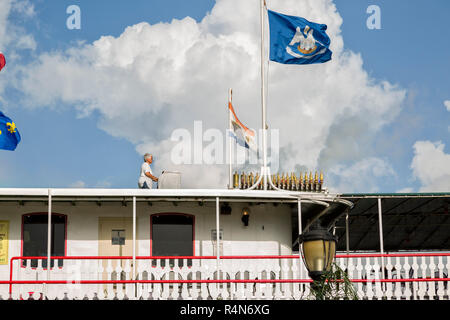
146	177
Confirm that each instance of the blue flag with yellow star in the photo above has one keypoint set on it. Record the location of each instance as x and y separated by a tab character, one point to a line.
9	135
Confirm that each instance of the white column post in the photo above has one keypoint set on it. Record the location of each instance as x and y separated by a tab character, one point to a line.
49	233
299	213
218	239
380	223
347	236
230	143
263	99
133	271
134	238
217	228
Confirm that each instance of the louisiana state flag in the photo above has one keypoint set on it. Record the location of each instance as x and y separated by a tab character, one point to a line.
295	40
243	135
9	135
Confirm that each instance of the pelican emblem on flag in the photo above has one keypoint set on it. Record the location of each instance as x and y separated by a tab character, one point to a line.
295	40
307	45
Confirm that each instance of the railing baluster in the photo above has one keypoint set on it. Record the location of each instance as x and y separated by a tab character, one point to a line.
432	286
409	273
440	285
296	275
165	293
287	291
447	293
99	276
378	293
157	274
369	276
109	275
398	285
359	269
140	276
194	287
129	287
415	270
92	271
388	292
39	273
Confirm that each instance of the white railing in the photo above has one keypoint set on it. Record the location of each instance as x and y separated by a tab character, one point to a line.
418	276
406	276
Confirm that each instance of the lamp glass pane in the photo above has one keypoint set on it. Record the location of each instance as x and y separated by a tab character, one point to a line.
314	255
330	253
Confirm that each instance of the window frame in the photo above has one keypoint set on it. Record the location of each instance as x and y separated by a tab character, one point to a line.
22	234
172	214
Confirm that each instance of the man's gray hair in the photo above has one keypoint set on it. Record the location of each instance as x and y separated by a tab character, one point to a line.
147	155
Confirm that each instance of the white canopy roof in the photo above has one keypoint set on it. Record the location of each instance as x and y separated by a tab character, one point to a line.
167	194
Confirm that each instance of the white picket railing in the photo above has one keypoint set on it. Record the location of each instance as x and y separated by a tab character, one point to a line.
414	277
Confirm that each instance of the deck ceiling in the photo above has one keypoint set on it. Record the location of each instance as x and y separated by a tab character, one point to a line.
410	222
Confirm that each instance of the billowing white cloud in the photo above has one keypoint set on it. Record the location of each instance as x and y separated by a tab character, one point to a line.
13	37
431	165
153	79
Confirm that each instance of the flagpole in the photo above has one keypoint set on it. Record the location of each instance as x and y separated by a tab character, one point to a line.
230	143
263	99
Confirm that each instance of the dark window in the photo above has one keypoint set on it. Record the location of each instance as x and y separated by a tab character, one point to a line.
172	235
35	234
118	237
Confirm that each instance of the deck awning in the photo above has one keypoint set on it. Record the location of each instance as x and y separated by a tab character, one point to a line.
411	221
155	195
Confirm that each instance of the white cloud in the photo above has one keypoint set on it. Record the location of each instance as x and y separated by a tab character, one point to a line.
26	42
78	184
192	175
358	176
13	38
81	184
431	165
24	7
405	190
447	104
103	184
153	79
11	32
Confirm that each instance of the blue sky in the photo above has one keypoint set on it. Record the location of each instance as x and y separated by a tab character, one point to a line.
61	149
396	53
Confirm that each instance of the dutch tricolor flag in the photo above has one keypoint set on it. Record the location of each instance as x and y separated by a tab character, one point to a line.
243	135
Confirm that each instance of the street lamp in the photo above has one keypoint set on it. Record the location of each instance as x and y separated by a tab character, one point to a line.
319	249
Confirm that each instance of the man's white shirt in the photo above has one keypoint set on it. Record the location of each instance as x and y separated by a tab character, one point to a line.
143	178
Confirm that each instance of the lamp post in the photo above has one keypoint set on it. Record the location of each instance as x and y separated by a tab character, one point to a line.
318	248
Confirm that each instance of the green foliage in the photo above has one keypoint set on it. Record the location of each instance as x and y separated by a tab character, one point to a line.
334	285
